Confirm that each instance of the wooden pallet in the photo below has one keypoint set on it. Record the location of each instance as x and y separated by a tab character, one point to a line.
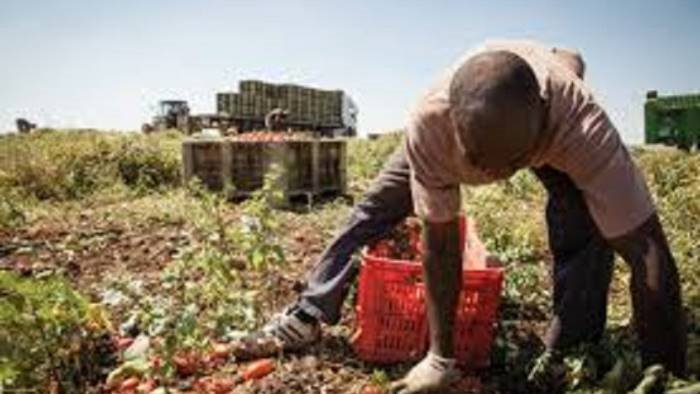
312	169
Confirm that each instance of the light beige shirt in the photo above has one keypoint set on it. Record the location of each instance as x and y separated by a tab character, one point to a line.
581	142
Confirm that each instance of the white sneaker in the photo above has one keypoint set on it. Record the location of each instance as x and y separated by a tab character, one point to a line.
285	332
294	333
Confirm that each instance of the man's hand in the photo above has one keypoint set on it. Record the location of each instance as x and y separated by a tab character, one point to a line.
433	373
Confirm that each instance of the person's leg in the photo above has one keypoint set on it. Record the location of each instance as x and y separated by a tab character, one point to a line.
583	262
656	295
386	204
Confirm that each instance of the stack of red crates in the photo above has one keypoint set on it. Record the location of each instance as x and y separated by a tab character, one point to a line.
391	320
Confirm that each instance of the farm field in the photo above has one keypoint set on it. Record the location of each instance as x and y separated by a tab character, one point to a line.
103	248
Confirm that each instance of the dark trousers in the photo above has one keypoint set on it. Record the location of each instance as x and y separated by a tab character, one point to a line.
386	204
582	258
583	263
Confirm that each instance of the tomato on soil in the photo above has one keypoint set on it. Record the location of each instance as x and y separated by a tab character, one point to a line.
186	363
258	369
129	385
147	386
221	350
214	385
371	389
221	385
123	342
156	362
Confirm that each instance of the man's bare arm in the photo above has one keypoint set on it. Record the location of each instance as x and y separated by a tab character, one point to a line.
442	265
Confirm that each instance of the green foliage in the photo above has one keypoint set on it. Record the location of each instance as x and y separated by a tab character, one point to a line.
380	378
12	214
215	284
70	164
674	180
254	237
49	335
152	165
509	218
258	237
523	285
367	157
203	293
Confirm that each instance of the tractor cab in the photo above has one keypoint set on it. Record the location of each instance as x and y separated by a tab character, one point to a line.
173	108
172	114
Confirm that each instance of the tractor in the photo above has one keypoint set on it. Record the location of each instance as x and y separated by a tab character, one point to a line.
172	114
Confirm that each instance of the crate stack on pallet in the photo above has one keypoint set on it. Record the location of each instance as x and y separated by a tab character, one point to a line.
313	107
309	167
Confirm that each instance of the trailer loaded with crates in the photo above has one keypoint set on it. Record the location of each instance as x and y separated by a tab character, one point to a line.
310	167
672	120
331	112
328	113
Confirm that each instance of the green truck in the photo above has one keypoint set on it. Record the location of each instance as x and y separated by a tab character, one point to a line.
330	113
672	120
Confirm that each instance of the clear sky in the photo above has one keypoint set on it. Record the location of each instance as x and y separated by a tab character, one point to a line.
88	63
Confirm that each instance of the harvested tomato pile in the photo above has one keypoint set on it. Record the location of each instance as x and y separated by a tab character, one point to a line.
272	136
201	371
402	243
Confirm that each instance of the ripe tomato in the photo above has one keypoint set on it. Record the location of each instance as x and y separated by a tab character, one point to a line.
147	386
186	363
258	369
124	342
129	385
221	350
221	385
155	362
371	389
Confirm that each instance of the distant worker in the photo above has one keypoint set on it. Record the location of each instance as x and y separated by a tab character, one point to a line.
276	120
504	107
24	126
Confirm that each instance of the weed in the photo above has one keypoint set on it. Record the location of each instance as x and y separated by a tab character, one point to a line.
50	336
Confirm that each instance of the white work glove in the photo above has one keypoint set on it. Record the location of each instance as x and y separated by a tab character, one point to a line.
433	373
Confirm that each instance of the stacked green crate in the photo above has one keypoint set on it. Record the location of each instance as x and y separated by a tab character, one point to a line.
282	100
294	104
270	103
247	104
223	103
335	101
306	106
317	98
246	86
236	105
321	107
673	120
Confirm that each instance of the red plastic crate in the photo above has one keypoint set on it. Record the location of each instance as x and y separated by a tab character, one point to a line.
476	316
391	324
391	321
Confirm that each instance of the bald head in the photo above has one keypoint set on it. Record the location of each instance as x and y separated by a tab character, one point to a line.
496	107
